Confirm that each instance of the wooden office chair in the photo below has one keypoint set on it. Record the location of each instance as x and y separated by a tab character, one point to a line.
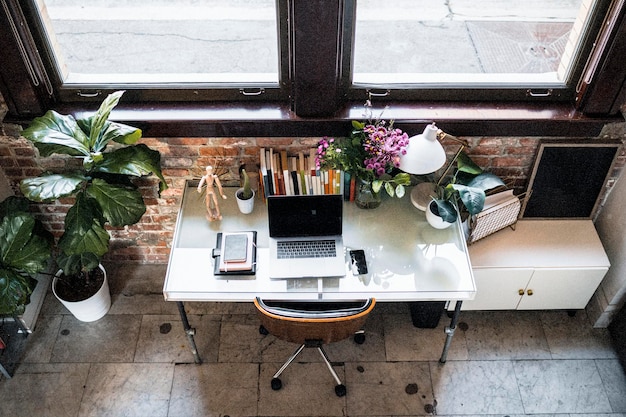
313	324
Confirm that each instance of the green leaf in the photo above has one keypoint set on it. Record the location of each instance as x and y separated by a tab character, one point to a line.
98	121
12	205
402	178
84	231
446	210
20	248
377	185
137	161
473	198
358	125
112	131
486	181
72	265
15	291
389	188
50	187
400	191
465	164
121	205
56	133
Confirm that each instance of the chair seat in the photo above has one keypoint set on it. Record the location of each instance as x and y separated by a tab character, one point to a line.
299	322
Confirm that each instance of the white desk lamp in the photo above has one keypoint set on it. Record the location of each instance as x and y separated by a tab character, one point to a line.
425	155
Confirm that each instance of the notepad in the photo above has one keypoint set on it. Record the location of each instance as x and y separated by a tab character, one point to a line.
235	247
236	252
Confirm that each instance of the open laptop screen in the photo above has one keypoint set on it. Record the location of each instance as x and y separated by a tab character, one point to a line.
305	215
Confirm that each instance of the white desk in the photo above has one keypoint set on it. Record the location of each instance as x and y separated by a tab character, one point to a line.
407	259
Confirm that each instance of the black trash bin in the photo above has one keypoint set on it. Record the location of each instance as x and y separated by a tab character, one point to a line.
426	314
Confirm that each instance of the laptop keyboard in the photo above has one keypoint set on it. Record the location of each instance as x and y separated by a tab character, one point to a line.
306	249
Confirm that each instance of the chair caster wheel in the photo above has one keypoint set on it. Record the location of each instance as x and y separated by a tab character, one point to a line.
276	384
359	338
340	390
263	330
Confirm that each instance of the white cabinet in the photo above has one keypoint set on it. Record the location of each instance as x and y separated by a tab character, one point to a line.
543	264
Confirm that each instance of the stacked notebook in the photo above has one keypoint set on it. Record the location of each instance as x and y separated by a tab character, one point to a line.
235	253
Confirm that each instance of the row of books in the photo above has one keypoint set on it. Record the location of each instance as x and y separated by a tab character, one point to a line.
283	174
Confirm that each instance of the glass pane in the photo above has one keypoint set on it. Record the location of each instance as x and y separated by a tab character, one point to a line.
464	41
145	41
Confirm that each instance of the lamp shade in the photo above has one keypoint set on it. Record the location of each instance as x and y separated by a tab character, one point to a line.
424	154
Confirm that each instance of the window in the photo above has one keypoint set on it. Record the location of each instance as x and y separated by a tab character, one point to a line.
533	47
199	45
312	57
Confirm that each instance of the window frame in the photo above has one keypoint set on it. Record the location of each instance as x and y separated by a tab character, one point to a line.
317	99
464	92
163	92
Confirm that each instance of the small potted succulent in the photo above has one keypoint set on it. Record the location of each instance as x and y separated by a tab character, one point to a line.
463	192
245	194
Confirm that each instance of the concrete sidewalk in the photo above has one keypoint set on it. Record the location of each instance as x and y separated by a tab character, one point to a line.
239	37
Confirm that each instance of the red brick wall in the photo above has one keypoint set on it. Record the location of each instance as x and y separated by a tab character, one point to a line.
185	158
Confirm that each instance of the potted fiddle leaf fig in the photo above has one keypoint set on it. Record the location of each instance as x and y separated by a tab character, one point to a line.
245	194
463	192
25	251
102	190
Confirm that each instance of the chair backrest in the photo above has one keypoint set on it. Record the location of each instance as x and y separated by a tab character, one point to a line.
298	322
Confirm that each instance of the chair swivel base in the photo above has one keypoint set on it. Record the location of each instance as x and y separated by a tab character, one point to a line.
277	384
340	389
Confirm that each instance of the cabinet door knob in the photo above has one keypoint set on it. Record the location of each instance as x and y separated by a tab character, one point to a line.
529	292
520	291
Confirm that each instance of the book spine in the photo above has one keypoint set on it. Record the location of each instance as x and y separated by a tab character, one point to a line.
270	174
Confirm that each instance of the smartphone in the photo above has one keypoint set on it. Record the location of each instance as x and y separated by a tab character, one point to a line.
357	262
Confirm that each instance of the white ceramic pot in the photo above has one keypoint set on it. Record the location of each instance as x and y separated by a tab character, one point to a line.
434	219
91	309
245	206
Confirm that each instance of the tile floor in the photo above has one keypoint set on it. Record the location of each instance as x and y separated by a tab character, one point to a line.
136	362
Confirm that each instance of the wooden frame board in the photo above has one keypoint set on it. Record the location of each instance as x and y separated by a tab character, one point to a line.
568	177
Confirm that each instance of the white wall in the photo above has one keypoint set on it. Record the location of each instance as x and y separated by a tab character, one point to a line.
611	225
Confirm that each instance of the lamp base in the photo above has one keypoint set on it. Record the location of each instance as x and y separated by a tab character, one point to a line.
422	194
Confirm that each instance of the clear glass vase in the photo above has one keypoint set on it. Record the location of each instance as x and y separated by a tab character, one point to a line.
365	197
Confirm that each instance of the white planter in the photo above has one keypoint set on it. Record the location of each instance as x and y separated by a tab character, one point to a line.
245	206
91	309
435	220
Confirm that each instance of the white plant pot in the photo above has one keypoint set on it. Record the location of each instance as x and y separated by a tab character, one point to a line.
435	220
91	309
245	206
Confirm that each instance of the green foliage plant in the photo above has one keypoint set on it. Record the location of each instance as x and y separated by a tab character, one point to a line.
464	190
102	188
25	250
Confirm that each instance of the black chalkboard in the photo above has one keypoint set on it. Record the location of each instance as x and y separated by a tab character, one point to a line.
567	178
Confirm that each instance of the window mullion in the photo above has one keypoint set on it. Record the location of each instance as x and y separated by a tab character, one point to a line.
315	57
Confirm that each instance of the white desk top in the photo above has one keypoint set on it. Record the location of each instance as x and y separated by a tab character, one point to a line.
407	259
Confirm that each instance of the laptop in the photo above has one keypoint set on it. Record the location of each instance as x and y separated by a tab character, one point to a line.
305	236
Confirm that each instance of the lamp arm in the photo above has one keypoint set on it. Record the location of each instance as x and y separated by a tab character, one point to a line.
441	135
452	161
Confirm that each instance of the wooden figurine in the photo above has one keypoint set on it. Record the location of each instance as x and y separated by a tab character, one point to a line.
212	205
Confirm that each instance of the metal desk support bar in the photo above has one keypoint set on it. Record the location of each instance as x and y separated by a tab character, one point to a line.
450	331
189	331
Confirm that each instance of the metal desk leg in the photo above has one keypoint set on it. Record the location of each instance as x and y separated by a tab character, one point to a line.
189	331
450	331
